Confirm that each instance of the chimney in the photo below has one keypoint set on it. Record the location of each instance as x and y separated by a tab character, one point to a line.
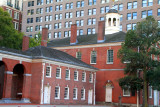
44	37
73	39
101	32
25	44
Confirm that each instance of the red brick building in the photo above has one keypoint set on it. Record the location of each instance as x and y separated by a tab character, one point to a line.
44	76
100	50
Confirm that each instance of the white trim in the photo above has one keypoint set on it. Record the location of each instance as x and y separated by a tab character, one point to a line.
111	69
150	92
83	94
75	93
27	75
0	58
84	76
90	46
91	78
77	76
107	57
68	74
63	64
59	73
67	93
58	92
91	57
50	71
42	83
9	72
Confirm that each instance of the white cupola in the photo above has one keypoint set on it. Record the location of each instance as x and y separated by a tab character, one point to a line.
112	22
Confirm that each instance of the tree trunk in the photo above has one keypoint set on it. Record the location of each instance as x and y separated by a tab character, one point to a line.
145	86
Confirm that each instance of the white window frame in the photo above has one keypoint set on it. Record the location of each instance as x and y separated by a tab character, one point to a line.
58	93
59	74
68	75
77	76
67	93
76	94
83	94
108	56
91	57
91	76
84	77
49	71
126	95
150	91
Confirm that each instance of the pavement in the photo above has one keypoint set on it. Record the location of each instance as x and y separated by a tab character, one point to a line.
16	105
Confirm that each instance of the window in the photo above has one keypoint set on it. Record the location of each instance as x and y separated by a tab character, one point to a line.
58	7
120	7
80	4
48	71
30	3
128	27
58	73
67	74
93	21
49	26
57	92
49	35
79	55
81	31
144	14
150	2
116	7
134	15
68	15
57	34
75	91
89	31
39	2
83	76
89	21
82	94
101	18
107	9
144	3
30	12
93	57
126	91
149	12
129	16
129	5
66	93
158	13
134	4
39	11
150	91
158	1
121	17
94	11
102	10
38	28
91	78
75	75
29	20
120	27
16	15
110	57
49	9
133	26
49	1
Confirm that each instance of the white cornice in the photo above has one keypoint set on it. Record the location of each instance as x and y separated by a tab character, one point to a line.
63	64
89	46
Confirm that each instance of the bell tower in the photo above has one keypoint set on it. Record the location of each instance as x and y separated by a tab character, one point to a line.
112	21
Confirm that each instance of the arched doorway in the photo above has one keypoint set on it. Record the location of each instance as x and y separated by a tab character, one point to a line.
2	70
109	87
17	82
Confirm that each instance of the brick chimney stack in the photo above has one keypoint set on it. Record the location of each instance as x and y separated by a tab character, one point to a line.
73	39
44	37
101	31
25	44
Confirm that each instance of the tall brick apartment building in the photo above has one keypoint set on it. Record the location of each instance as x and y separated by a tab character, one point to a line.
14	8
44	76
58	15
100	50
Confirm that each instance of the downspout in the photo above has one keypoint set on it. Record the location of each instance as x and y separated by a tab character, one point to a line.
94	89
43	64
137	89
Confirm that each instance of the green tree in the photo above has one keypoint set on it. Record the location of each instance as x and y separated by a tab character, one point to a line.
35	41
140	44
9	37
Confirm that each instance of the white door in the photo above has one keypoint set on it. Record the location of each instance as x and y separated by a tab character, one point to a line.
156	98
108	94
47	93
90	94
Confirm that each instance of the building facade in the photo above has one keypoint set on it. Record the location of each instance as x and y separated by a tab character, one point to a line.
100	50
14	8
44	76
58	15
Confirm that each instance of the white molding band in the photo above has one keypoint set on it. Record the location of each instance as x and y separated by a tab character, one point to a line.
9	72
111	69
27	74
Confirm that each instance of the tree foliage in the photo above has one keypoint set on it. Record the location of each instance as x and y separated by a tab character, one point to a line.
9	37
138	50
35	41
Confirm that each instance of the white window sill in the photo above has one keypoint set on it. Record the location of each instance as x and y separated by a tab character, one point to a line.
109	62
58	77
57	98
92	63
75	99
66	98
48	76
82	99
126	95
83	81
75	80
68	79
91	82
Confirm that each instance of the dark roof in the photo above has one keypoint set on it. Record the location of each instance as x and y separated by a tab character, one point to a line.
112	11
41	52
88	39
